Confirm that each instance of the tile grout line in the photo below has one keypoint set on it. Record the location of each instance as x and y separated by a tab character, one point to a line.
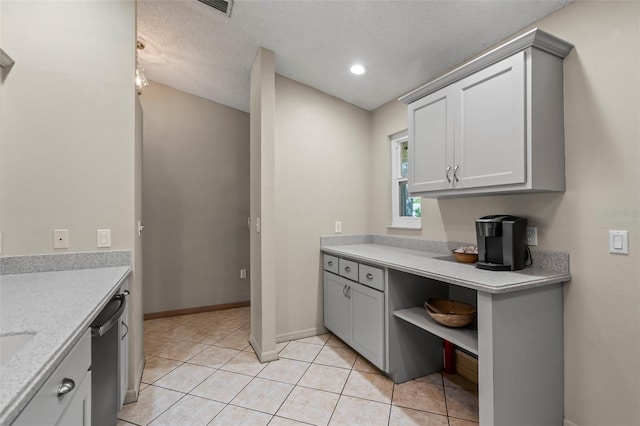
295	385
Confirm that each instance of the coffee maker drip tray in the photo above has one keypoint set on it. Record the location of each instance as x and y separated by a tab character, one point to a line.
493	266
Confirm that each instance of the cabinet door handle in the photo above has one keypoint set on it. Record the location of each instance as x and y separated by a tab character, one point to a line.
344	290
455	172
446	174
348	292
369	276
347	268
66	386
126	331
330	263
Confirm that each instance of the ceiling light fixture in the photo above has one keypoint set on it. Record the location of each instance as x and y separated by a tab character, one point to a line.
141	79
358	69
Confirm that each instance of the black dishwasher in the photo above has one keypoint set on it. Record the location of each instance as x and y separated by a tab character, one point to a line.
104	362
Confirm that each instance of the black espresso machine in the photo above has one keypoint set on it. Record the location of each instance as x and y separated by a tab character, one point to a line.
502	242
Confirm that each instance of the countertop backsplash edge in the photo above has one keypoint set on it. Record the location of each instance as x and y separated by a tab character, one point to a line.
64	261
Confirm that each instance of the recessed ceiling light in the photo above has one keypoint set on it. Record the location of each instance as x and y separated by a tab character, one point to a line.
358	69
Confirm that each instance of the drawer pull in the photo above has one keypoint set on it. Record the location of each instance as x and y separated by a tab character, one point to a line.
66	386
330	263
347	268
369	276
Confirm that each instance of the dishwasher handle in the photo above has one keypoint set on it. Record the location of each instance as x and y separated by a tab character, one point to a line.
101	329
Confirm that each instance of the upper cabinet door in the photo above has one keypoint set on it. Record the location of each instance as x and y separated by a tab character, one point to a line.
431	142
490	126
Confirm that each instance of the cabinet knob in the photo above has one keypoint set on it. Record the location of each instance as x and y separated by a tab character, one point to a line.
330	263
66	386
369	276
347	268
446	174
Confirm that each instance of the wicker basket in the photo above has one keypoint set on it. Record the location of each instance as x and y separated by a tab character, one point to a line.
465	257
450	313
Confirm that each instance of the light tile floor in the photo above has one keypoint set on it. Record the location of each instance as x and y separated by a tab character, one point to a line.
200	370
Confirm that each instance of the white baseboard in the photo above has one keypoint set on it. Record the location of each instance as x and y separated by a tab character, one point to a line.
132	394
262	356
301	334
568	423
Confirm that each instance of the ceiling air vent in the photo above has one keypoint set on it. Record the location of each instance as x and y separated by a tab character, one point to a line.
223	6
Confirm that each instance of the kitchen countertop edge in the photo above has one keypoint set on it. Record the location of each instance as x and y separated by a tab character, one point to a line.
523	281
24	395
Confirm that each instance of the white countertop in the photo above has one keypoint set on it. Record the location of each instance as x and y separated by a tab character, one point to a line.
444	268
56	306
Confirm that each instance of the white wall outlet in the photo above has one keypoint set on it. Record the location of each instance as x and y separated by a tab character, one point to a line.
243	273
104	238
532	236
619	242
338	227
60	238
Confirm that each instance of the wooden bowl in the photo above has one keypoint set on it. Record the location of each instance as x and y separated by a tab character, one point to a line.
450	313
465	257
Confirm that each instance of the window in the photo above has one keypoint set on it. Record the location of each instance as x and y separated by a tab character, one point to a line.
406	210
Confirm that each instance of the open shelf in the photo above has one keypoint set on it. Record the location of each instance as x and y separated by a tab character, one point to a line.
466	337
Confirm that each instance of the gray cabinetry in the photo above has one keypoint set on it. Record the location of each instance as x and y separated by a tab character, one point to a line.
65	398
355	312
494	125
336	305
123	350
517	337
367	322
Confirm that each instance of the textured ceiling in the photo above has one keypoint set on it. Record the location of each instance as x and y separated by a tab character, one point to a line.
404	44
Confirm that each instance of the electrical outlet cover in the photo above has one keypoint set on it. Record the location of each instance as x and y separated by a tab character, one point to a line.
60	238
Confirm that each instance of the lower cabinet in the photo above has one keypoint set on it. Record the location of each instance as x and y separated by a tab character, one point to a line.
65	398
355	313
78	411
123	350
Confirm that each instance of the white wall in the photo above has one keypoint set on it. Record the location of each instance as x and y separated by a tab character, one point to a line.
322	173
68	124
602	130
67	136
262	188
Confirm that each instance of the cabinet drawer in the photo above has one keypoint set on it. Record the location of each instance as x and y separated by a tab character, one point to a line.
46	405
372	277
349	269
331	264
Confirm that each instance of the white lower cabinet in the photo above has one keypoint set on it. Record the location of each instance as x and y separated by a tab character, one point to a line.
355	313
65	398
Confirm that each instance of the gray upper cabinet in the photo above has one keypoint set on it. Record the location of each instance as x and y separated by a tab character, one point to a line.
494	125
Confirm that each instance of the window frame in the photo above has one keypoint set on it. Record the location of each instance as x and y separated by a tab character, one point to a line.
398	221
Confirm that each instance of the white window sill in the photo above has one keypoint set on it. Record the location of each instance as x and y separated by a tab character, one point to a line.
410	228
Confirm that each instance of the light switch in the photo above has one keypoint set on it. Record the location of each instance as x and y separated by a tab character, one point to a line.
104	238
619	242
